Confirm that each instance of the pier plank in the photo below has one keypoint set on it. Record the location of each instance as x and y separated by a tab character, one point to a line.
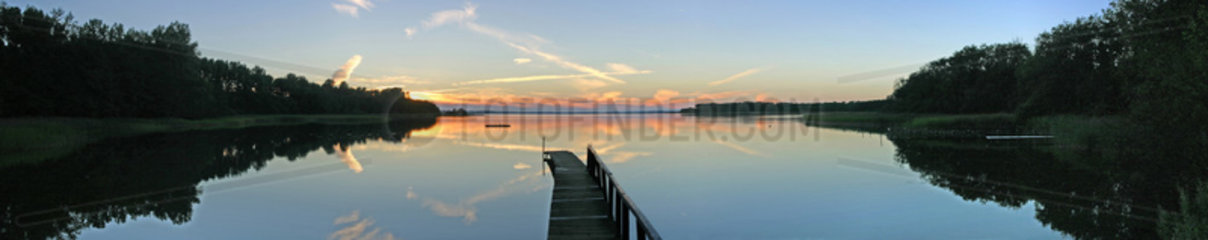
578	209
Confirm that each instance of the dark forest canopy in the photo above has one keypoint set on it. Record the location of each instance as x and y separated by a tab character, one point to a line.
53	66
976	79
1143	58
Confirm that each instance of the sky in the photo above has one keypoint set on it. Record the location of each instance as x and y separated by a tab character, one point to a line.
669	51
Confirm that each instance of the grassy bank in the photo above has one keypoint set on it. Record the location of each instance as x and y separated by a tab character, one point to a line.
861	118
25	140
993	121
1072	129
916	120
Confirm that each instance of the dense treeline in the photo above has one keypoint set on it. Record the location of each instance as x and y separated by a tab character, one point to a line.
53	66
255	92
1077	68
1143	58
976	79
763	108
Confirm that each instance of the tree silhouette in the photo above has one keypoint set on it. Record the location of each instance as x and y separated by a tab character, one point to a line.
976	79
54	67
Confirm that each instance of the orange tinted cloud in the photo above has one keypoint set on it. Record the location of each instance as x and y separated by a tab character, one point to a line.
662	97
497	98
346	70
346	156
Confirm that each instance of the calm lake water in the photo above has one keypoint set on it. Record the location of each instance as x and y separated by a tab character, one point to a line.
453	178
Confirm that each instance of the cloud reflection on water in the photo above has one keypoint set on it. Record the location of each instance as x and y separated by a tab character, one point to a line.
357	231
345	155
467	208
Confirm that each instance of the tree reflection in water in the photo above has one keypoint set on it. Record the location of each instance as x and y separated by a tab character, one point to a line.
1085	191
157	175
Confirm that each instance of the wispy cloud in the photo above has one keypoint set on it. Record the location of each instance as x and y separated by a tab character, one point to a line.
893	71
622	68
544	77
566	64
721	96
346	70
742	74
345	9
662	96
525	43
362	3
520	79
411	193
351	217
585	84
410	31
452	16
611	95
522	60
352	7
665	94
388	81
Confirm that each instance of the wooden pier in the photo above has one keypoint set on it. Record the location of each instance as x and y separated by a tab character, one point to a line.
587	202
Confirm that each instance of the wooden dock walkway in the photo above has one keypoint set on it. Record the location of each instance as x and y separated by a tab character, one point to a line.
578	209
587	201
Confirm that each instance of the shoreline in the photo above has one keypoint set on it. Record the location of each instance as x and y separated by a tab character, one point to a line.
31	140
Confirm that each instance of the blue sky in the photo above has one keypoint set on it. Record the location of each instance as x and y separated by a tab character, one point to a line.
619	49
